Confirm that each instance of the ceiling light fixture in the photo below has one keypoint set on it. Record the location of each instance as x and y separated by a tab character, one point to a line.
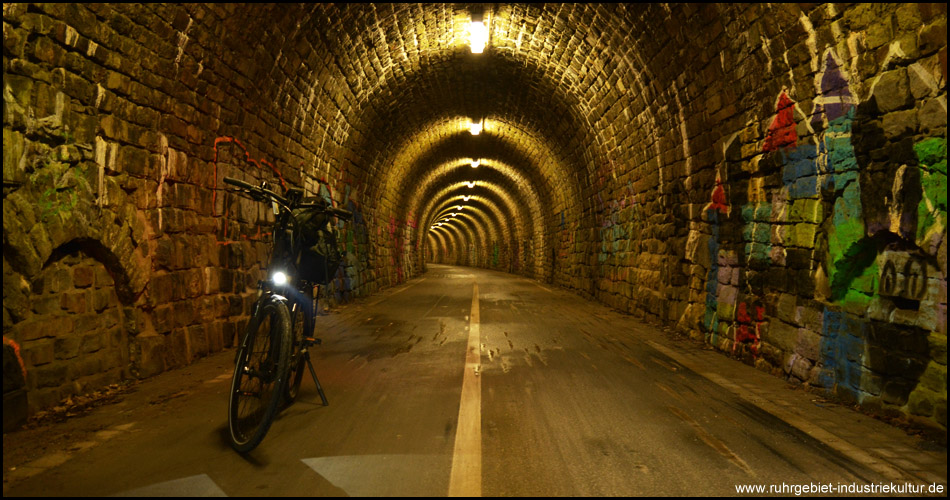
466	197
475	127
477	33
476	163
470	184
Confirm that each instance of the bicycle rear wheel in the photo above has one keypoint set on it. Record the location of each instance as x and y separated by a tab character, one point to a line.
259	375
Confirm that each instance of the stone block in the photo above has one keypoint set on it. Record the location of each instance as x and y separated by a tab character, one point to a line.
39	352
801	369
937	344
892	91
150	360
934	378
727	302
46	328
85	366
67	347
176	348
900	124
46	305
808	345
50	375
895	391
781	335
787	308
197	342
697	249
921	402
93	341
931	117
73	302
163	318
871	382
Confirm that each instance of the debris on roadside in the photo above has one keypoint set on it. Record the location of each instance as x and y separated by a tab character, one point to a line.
78	405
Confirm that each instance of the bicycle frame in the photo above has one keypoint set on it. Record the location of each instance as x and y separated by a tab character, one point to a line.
283	284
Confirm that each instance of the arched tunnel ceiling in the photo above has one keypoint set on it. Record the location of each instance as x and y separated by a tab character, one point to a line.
412	84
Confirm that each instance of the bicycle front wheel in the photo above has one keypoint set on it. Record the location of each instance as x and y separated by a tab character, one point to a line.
259	374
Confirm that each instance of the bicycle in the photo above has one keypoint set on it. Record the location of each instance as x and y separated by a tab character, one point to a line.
270	360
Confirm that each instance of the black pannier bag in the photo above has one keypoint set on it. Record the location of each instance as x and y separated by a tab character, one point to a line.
319	256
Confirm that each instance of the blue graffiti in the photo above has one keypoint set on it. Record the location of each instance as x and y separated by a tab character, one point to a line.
842	352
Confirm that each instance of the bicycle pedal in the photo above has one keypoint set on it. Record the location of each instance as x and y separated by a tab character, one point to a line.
311	341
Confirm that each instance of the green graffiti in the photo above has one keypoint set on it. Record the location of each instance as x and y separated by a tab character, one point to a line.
852	270
932	210
756	232
855	273
61	196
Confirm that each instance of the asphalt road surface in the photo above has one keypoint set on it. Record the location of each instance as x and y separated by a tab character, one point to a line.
460	382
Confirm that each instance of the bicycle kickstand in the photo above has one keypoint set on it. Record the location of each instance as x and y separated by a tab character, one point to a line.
315	380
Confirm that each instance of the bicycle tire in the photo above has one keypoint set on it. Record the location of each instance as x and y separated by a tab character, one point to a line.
294	378
259	375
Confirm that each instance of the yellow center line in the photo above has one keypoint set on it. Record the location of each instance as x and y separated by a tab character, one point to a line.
466	477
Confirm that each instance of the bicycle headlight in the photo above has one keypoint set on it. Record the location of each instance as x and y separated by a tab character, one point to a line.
279	278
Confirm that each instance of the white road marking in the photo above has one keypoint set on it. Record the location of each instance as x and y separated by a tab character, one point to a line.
383	475
194	486
466	477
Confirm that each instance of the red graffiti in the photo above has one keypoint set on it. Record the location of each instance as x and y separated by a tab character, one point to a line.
214	191
745	320
16	352
719	201
247	157
782	132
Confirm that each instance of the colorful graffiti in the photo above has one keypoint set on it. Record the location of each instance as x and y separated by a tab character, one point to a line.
619	225
716	211
849	231
932	211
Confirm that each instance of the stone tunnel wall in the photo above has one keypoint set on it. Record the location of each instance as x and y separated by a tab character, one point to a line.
769	179
790	209
119	123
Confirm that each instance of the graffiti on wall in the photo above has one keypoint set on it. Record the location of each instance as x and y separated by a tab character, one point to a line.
847	228
231	159
716	211
620	221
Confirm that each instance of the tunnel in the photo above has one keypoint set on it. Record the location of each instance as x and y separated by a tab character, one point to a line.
766	179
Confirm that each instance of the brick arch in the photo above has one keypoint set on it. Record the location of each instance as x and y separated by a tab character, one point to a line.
114	239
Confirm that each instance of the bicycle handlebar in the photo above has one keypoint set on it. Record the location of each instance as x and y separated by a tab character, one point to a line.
261	192
238	183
